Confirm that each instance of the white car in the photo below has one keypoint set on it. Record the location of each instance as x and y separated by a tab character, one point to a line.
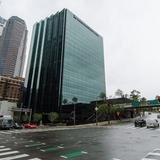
152	123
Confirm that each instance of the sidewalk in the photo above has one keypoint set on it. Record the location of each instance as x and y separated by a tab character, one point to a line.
105	123
45	128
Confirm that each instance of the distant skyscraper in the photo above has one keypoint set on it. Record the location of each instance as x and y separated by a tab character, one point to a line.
2	25
13	47
66	60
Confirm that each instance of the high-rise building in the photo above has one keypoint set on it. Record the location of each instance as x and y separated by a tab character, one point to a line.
12	48
66	60
2	25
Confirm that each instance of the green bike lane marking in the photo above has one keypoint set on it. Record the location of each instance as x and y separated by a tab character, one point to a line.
74	154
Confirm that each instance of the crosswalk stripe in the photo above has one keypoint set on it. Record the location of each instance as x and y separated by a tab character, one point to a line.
153	154
5	149
15	157
147	159
2	146
157	149
7	153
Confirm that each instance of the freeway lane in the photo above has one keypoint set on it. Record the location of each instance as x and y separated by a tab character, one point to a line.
117	142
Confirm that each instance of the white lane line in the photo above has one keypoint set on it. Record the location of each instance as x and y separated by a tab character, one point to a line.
115	159
4	132
5	149
7	153
11	131
15	157
2	146
34	159
14	131
60	147
84	152
64	157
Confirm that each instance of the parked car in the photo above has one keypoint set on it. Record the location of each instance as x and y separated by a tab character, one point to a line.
6	122
158	116
17	126
31	126
152	123
140	122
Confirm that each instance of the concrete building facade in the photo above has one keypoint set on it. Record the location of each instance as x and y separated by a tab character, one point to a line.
11	89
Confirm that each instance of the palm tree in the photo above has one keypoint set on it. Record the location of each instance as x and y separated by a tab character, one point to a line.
119	93
65	101
143	101
135	95
74	100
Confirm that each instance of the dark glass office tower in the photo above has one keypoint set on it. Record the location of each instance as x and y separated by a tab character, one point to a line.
66	60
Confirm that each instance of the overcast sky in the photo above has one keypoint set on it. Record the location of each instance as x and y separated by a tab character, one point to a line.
130	30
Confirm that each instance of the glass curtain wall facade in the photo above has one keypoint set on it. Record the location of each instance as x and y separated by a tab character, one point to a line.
66	60
83	71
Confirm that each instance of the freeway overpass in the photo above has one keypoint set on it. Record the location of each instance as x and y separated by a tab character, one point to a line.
142	107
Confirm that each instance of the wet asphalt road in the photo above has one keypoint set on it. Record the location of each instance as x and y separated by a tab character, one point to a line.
117	142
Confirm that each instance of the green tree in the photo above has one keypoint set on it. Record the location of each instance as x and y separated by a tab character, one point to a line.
53	116
37	117
119	93
74	99
25	118
105	109
102	96
143	101
16	118
135	95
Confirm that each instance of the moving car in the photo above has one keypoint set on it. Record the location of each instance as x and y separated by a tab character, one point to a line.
6	122
140	122
152	123
31	126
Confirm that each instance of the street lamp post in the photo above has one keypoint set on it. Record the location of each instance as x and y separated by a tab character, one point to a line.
96	109
74	100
